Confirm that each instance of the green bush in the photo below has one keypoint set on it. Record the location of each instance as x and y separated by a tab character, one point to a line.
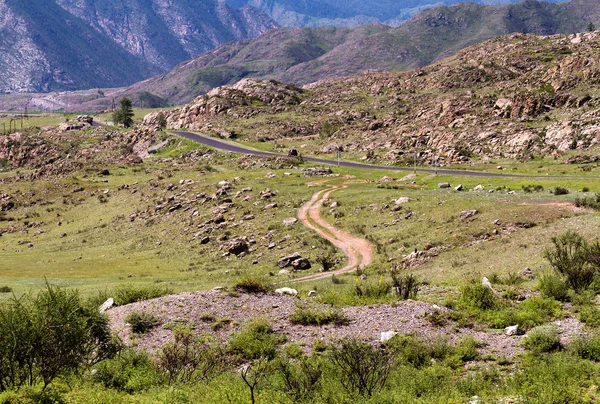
256	340
371	289
561	191
131	371
253	285
590	315
586	347
127	294
476	296
553	286
5	289
309	314
411	350
141	322
536	311
302	380
575	258
542	339
49	335
405	286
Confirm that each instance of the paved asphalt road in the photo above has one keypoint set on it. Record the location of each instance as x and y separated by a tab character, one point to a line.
218	144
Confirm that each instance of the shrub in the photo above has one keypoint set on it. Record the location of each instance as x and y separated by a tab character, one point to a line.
553	286
561	191
575	258
5	289
364	369
220	323
253	285
141	322
187	360
590	315
477	296
49	335
405	286
536	311
588	202
302	380
467	349
371	289
587	347
308	314
542	339
131	371
411	350
256	340
127	294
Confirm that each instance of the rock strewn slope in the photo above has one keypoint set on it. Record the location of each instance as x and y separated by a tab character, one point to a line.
514	96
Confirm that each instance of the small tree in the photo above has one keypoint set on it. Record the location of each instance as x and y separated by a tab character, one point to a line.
591	27
124	115
576	258
161	121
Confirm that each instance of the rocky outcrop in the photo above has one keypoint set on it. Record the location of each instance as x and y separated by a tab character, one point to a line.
222	100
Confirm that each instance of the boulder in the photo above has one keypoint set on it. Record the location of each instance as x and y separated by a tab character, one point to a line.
237	246
290	221
459	187
443	185
387	335
301	264
312	293
106	305
513	330
478	188
286	291
465	214
402	200
287	261
317	171
486	283
270	206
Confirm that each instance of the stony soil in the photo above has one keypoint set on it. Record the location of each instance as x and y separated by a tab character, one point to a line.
365	322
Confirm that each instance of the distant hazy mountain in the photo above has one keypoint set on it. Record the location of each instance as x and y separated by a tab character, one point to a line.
349	13
73	44
305	55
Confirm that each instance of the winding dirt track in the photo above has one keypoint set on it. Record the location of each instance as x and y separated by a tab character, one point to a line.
358	250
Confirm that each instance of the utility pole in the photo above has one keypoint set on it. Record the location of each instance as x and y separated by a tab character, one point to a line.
415	162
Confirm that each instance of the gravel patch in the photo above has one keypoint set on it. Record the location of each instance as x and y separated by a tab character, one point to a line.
365	322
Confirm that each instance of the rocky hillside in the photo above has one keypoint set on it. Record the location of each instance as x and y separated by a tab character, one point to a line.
515	96
304	55
71	44
290	13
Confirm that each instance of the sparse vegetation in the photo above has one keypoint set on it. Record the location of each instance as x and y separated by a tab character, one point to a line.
141	322
308	314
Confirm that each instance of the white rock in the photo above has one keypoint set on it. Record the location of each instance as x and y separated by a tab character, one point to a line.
478	188
286	291
312	293
486	282
387	335
290	221
513	330
106	305
401	200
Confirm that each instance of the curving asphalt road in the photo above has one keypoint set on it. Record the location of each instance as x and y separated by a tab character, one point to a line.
234	148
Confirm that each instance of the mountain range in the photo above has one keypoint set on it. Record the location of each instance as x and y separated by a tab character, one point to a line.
349	13
304	55
75	44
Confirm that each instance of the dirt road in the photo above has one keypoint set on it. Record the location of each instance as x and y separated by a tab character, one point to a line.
358	250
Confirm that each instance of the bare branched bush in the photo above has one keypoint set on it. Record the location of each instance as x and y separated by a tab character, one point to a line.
364	369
